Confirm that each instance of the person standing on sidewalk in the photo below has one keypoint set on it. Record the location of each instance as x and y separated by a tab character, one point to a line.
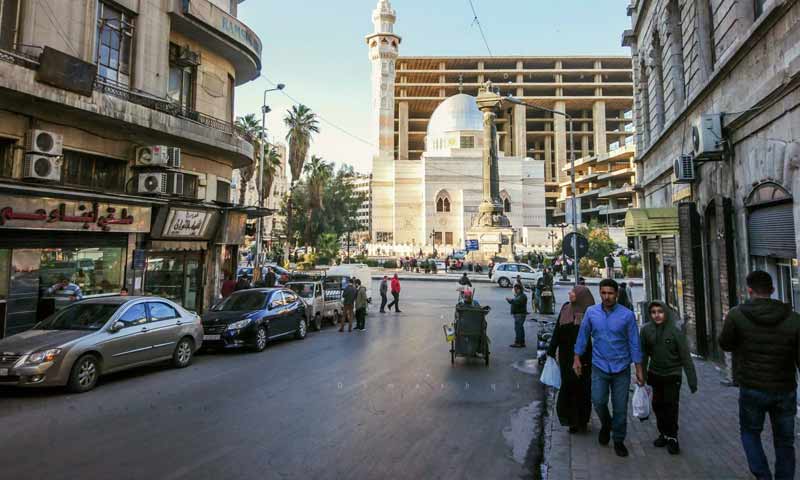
764	335
609	261
361	306
384	292
395	287
615	345
574	404
519	310
665	352
348	302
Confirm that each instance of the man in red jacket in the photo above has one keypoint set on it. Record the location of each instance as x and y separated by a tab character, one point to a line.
395	288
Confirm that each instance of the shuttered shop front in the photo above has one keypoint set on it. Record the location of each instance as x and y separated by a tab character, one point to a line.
770	231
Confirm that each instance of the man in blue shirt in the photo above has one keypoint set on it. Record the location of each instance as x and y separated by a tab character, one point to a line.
615	345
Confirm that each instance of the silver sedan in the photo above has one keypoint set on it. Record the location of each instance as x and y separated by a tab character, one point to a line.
76	345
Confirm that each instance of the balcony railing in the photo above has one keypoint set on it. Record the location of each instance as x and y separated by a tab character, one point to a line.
123	92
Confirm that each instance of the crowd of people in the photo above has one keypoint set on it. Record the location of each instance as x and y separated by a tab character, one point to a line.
596	344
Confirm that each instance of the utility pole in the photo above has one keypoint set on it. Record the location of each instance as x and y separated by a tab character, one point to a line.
260	186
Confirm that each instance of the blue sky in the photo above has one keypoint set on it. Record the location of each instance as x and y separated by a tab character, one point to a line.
317	48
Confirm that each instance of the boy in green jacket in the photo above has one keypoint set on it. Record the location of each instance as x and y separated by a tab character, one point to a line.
665	353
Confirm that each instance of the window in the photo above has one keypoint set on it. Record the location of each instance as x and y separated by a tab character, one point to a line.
161	311
442	204
437	238
181	80
289	298
467	142
190	183
758	6
9	24
276	300
448	238
94	270
506	205
511	268
136	315
524	269
114	44
223	191
6	157
94	171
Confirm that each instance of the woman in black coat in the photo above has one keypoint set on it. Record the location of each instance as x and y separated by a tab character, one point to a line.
574	405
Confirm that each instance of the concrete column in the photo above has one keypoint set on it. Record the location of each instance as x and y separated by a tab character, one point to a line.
599	119
150	57
508	130
403	130
481	77
549	175
584	138
559	78
520	131
560	129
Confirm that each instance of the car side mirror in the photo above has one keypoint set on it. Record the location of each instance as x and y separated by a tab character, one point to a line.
116	327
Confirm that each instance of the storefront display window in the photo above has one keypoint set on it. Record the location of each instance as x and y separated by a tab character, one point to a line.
176	276
94	270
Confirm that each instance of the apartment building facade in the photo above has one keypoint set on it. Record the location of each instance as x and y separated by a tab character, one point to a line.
117	148
717	118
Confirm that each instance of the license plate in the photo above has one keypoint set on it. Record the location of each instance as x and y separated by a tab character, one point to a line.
211	338
3	372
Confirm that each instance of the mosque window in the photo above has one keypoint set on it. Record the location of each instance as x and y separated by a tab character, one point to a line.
467	142
506	205
442	204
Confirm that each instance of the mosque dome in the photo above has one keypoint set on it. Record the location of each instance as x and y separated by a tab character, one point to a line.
457	113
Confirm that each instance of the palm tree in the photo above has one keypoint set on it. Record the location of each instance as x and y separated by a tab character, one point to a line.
251	125
272	162
302	123
318	172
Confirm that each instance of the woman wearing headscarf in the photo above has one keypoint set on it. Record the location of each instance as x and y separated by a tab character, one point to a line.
574	405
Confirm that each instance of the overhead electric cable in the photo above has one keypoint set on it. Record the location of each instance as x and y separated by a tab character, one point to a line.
476	21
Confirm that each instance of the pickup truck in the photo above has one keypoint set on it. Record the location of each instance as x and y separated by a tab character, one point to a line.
321	303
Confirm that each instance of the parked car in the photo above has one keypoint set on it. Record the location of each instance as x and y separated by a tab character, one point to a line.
439	266
321	304
251	318
93	337
505	274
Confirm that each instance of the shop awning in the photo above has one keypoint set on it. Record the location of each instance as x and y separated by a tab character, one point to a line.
641	222
254	212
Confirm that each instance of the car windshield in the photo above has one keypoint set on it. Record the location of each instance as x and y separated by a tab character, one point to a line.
79	316
242	301
305	290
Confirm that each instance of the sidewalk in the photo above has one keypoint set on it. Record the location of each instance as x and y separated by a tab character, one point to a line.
483	277
709	437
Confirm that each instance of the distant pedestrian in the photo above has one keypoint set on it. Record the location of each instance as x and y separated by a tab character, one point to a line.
625	298
446	264
384	289
242	284
615	344
228	286
270	278
348	302
763	334
609	260
395	288
665	354
361	306
574	404
519	310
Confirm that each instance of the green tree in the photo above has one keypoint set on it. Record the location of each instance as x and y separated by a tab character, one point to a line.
302	124
251	125
272	162
600	243
328	246
318	173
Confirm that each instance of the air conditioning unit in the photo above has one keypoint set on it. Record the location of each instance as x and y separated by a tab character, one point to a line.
158	156
684	169
44	142
42	167
160	183
707	141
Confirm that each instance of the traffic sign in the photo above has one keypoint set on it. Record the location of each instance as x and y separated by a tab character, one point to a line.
583	245
471	245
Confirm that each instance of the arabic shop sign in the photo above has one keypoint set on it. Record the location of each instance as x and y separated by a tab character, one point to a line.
34	213
184	223
221	20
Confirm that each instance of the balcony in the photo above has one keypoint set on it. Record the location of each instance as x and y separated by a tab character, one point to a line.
624	191
220	32
139	114
622	172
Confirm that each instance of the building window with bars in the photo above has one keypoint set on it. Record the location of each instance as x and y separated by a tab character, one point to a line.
7	157
94	171
467	142
182	74
9	24
223	191
114	44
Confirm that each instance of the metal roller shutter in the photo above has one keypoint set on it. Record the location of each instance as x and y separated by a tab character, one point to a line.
771	231
668	249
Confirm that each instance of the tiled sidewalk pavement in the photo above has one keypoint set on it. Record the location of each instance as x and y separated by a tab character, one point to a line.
709	437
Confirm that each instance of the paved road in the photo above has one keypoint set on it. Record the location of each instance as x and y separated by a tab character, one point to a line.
381	404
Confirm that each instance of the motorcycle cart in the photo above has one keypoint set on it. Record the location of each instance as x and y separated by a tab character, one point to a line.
470	333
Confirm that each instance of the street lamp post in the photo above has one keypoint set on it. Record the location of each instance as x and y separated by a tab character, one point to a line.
552	236
260	187
572	176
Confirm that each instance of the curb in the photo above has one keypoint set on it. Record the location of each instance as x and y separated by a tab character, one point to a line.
443	278
555	461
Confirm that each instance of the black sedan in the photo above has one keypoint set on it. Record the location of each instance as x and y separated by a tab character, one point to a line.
251	318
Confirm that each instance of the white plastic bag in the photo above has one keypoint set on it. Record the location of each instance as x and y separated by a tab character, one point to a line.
641	402
551	375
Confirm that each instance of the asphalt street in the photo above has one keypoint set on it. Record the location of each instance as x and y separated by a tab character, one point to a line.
385	403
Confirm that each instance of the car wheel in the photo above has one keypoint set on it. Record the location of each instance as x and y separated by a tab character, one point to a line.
504	282
302	329
317	322
184	351
260	342
84	374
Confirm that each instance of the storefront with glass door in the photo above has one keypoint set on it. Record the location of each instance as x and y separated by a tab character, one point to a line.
46	241
177	276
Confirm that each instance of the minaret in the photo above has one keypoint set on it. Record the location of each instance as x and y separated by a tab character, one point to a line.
383	51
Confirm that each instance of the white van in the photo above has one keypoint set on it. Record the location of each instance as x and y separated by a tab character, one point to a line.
357	270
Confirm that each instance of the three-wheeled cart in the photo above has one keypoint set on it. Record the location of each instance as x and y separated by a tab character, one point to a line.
470	338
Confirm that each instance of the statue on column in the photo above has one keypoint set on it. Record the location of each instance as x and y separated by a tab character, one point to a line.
490	212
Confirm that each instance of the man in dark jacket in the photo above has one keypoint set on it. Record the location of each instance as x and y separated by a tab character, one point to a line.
270	278
519	310
764	336
348	302
384	292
